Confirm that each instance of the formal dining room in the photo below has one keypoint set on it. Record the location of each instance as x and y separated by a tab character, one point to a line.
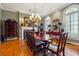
39	29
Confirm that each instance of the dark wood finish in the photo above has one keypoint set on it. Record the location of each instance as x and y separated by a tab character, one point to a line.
60	47
35	45
10	28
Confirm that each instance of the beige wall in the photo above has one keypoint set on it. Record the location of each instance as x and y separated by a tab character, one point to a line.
58	15
5	14
9	15
21	17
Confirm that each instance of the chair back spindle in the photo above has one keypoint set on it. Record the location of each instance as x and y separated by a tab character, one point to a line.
62	42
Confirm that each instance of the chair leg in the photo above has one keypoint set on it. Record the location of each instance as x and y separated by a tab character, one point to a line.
34	53
44	52
63	53
57	54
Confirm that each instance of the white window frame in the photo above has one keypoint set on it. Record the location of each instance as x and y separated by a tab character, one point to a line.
76	6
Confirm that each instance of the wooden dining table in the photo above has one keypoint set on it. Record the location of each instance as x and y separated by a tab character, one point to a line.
42	38
46	38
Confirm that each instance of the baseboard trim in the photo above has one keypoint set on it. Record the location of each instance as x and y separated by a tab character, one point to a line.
73	43
11	38
20	39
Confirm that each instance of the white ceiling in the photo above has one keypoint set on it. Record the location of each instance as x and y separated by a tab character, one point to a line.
42	8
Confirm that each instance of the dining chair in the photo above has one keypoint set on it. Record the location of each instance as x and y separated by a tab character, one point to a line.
60	47
36	46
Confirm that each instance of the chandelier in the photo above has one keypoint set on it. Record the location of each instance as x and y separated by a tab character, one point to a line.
35	17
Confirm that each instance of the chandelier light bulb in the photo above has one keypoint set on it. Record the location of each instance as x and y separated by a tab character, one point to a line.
39	18
30	17
32	14
37	14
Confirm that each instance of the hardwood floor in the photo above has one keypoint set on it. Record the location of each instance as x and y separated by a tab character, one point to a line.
19	48
14	48
72	50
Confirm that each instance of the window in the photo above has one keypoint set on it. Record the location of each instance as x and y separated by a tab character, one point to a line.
71	10
46	23
71	21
